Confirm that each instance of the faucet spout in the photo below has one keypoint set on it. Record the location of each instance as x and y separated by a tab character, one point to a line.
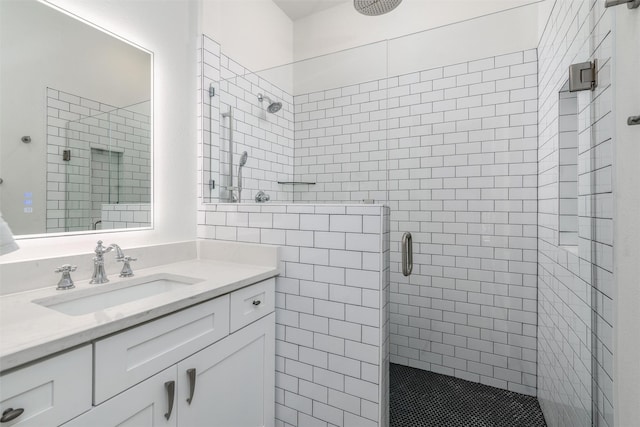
99	274
119	253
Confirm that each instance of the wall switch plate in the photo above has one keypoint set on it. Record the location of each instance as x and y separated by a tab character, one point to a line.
583	76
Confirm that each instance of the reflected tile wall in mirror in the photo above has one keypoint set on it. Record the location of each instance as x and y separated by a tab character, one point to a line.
64	74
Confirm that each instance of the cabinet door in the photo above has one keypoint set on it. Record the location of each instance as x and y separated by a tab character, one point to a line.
234	380
49	392
143	405
129	357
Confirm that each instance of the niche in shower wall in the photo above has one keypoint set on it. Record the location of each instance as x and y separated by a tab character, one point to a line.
567	167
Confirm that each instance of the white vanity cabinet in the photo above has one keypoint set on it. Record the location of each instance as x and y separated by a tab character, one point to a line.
145	405
49	392
188	369
127	358
231	383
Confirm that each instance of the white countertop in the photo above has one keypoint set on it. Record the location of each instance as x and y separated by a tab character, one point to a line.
29	331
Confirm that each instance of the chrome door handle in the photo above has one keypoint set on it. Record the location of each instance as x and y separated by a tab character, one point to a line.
191	373
170	386
407	254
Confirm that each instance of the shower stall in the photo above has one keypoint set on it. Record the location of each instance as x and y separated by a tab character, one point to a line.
106	163
463	149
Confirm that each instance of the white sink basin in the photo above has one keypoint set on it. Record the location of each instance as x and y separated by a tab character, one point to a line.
79	302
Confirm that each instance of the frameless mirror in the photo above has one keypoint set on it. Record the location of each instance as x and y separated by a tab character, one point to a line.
75	124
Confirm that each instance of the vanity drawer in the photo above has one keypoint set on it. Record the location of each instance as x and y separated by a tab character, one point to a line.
251	303
130	357
50	392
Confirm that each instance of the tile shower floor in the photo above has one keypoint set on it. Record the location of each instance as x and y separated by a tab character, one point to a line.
422	398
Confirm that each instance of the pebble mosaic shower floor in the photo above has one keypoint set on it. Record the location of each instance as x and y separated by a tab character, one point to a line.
421	398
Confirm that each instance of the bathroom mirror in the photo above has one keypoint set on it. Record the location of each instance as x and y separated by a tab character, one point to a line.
75	124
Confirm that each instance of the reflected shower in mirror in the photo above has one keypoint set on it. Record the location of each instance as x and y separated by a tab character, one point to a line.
76	124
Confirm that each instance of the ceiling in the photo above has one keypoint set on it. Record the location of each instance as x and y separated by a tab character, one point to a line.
296	9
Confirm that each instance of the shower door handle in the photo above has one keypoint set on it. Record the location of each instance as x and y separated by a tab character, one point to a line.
407	254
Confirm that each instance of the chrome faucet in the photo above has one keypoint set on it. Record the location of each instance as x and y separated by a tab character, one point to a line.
126	268
262	197
99	275
65	282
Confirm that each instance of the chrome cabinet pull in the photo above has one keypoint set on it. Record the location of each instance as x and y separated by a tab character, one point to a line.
191	373
170	386
257	302
631	4
633	120
11	414
407	254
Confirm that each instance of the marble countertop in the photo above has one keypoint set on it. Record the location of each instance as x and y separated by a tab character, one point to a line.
29	331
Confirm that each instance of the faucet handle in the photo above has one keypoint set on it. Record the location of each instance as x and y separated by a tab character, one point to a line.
101	250
66	268
65	281
126	268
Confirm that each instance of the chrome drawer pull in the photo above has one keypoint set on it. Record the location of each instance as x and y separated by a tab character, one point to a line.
170	386
257	302
11	414
191	373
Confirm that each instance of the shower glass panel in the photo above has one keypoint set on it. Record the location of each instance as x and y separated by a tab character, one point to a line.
462	148
107	165
327	143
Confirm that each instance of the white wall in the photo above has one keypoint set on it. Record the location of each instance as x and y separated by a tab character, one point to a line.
168	29
544	12
255	33
495	34
66	54
341	27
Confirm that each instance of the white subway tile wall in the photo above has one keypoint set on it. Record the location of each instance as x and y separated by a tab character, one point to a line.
460	146
332	319
468	159
266	137
573	287
110	159
125	215
341	144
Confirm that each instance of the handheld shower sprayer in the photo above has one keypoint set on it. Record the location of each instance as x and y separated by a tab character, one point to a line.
243	161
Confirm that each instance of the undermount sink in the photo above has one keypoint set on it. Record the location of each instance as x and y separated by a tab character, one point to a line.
80	302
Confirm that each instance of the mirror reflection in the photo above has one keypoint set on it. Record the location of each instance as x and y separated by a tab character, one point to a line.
75	124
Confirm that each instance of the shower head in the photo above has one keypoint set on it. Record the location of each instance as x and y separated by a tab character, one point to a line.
273	107
243	159
375	7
